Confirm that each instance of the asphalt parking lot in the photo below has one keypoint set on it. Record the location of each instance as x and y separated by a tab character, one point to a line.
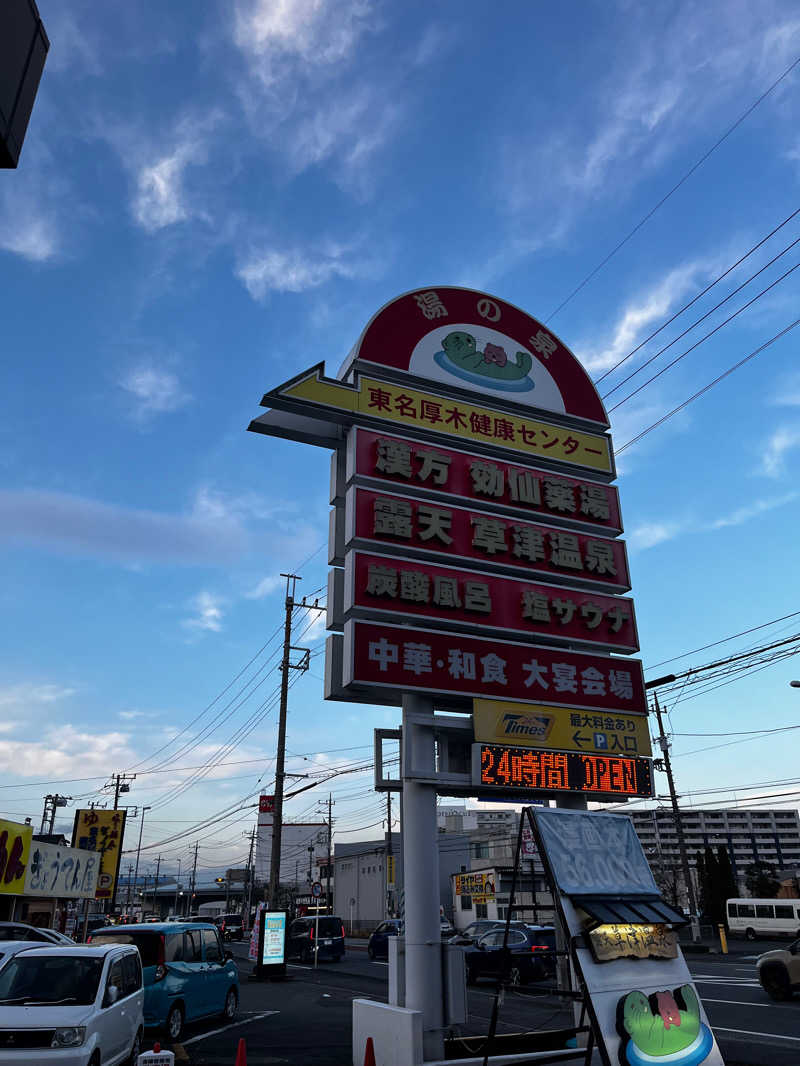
307	1018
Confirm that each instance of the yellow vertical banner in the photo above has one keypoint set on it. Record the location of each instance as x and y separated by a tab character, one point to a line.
15	850
101	831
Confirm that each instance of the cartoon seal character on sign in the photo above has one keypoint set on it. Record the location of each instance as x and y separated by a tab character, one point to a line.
461	355
662	1028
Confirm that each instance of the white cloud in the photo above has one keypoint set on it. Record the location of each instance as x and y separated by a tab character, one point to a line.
291	271
207	615
649	534
160	199
265	587
28	693
315	31
129	716
65	750
155	391
82	526
645	310
27	232
773	457
753	510
788	393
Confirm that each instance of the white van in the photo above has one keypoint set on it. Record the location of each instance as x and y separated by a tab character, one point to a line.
764	917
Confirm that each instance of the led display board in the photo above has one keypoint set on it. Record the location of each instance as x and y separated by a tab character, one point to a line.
526	770
273	943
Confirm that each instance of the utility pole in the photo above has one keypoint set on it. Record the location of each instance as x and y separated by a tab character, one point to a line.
676	812
248	898
277	807
177	887
128	901
51	802
194	874
138	852
155	886
120	784
388	851
328	871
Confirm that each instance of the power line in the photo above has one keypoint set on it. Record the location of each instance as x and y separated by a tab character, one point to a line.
703	317
699	296
673	190
707	388
716	643
702	340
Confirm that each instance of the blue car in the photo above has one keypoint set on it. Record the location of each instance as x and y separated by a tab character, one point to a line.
187	973
378	944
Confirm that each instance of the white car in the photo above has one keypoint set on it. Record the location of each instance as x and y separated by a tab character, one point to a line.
779	971
71	1006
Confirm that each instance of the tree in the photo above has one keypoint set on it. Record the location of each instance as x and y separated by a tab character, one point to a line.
761	881
712	890
727	882
701	882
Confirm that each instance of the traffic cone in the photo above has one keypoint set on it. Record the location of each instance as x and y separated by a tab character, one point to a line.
369	1053
241	1053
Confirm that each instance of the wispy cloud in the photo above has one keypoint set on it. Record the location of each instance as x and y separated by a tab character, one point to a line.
207	613
650	534
160	199
130	716
296	270
265	587
155	391
780	443
28	226
643	311
313	31
83	526
31	693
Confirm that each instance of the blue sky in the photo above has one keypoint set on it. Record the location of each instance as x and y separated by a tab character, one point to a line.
214	197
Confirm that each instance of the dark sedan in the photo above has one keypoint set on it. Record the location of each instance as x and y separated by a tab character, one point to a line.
378	944
530	952
474	931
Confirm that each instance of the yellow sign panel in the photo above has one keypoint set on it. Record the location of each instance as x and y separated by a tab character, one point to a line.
15	850
481	886
101	831
534	725
390	871
633	941
459	419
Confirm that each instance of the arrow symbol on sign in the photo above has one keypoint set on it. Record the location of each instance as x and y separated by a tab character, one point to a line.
580	739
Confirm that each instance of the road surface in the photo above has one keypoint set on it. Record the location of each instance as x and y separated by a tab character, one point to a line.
307	1019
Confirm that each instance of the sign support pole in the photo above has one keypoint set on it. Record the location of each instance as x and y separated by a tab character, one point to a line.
421	859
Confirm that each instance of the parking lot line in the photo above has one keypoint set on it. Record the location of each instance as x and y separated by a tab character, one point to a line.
233	1025
737	1002
749	1032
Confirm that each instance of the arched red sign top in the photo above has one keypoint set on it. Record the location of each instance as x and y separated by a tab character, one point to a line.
481	343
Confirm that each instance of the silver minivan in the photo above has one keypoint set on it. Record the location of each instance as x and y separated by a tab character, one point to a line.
79	1006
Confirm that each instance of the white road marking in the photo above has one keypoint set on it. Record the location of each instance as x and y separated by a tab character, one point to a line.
749	1032
737	1002
233	1025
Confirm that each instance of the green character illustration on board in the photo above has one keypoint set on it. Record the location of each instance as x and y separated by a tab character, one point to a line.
662	1028
461	356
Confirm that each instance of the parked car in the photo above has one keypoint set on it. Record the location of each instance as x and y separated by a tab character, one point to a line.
531	954
187	972
192	918
474	931
71	1005
230	925
378	943
779	971
446	928
21	931
330	942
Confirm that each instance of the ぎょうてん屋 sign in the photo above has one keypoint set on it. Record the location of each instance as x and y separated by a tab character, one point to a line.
375	584
378	656
420	526
480	479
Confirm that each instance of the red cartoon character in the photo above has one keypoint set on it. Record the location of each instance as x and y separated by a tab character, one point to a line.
494	353
668	1009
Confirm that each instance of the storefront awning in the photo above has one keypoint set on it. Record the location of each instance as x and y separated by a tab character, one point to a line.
636	909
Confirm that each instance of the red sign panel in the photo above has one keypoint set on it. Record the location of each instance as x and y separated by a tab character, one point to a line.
525	770
266	804
377	583
479	343
396	657
421	526
479	479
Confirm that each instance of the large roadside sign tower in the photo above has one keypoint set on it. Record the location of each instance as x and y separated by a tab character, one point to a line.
476	567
